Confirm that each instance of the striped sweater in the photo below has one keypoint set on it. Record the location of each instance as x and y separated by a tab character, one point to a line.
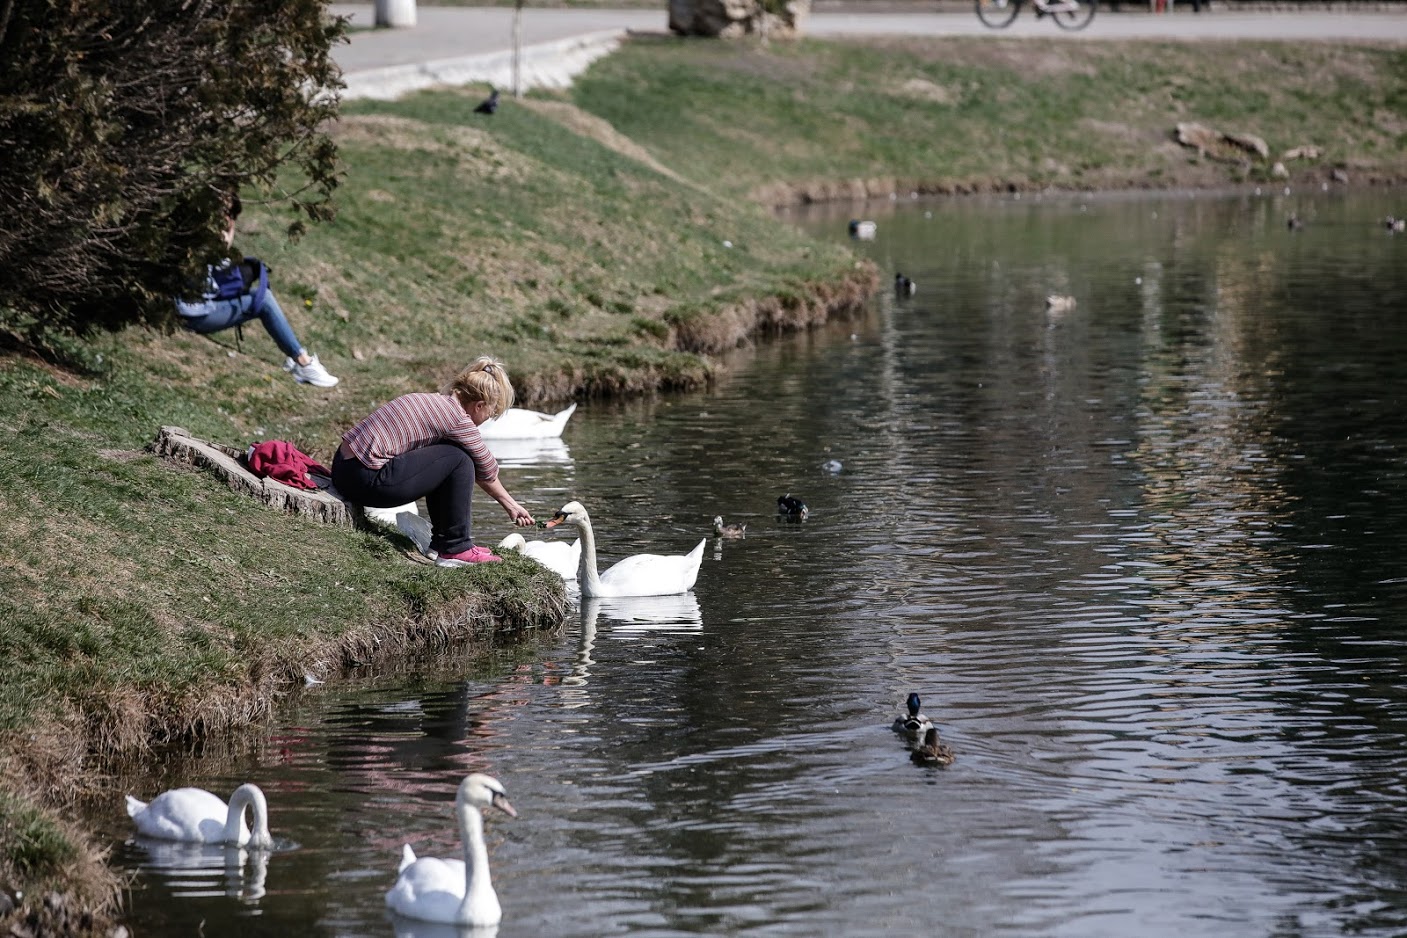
415	420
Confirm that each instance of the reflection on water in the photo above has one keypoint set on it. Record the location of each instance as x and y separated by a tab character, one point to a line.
201	870
408	928
512	454
1141	558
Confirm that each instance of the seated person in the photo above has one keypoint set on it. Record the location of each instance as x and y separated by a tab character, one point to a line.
428	446
237	292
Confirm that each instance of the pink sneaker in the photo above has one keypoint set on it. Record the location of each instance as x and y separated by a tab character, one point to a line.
465	557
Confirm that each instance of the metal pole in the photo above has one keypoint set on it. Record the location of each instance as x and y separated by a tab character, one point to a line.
517	48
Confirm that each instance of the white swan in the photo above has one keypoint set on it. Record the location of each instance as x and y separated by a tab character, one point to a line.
457	892
519	424
639	575
195	815
558	556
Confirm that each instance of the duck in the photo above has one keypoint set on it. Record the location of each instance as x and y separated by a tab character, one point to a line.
912	724
931	751
1395	224
1293	222
728	530
1059	303
863	230
194	815
792	508
454	892
519	424
903	286
637	575
558	556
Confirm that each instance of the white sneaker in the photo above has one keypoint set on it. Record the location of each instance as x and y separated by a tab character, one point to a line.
312	373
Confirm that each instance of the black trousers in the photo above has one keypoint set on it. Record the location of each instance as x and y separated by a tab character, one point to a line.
441	473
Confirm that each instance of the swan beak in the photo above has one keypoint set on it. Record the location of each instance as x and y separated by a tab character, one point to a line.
500	801
557	519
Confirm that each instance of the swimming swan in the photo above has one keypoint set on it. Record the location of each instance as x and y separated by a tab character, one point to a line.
194	815
558	556
639	575
455	892
519	424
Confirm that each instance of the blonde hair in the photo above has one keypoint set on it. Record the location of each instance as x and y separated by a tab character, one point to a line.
484	380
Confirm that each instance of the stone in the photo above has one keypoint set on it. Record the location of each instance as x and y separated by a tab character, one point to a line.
1278	171
177	445
1307	152
1339	175
732	19
1249	142
1198	136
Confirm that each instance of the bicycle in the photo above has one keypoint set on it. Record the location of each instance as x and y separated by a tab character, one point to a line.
1068	14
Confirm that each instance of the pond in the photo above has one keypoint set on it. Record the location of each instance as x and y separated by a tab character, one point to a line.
1145	561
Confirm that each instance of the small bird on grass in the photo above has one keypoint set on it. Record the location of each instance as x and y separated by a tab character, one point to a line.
931	751
489	104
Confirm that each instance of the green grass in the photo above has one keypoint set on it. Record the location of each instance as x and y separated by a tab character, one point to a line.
954	114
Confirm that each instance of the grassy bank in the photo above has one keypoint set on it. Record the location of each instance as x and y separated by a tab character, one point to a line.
824	120
606	240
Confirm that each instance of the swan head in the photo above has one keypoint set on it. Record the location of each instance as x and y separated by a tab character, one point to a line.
484	791
514	541
570	513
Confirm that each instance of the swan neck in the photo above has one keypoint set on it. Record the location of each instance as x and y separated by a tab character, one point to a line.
477	884
235	831
587	577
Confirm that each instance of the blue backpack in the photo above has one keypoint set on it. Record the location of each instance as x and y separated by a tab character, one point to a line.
229	280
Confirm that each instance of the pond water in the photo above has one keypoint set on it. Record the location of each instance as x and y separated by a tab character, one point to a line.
1145	560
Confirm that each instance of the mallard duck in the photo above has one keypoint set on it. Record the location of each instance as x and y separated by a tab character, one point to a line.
903	286
638	575
863	230
728	530
453	891
913	724
1059	303
792	508
194	815
931	751
1395	224
1293	222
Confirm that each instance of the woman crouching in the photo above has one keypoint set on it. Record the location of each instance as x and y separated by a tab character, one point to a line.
428	446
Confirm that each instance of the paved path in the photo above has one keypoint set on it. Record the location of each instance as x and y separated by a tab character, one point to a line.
458	45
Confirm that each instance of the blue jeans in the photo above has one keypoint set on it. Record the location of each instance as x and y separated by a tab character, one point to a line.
207	316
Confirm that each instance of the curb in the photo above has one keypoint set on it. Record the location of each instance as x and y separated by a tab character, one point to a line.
544	65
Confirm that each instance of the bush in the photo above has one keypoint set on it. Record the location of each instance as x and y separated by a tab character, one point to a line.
124	125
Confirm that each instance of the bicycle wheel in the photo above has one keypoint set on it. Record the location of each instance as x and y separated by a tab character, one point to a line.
998	14
1075	14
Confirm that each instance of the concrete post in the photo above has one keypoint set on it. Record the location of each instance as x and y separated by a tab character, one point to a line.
395	12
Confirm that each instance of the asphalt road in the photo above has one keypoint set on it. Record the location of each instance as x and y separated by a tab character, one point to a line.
453	32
